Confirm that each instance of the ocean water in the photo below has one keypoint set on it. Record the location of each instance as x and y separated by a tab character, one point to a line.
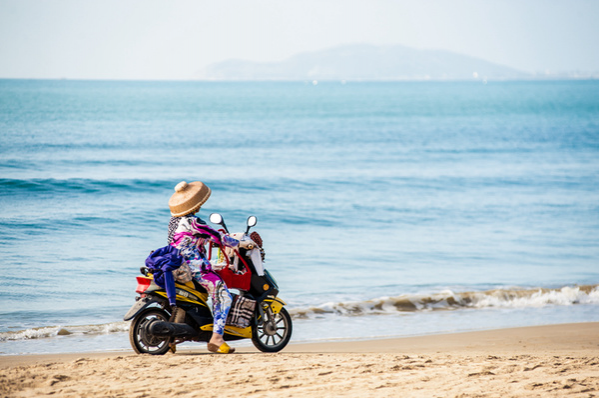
386	209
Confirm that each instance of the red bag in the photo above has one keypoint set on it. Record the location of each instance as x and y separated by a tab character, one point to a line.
236	281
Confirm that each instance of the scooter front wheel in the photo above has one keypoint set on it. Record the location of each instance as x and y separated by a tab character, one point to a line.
141	340
271	332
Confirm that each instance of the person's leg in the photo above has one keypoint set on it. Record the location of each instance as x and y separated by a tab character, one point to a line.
221	303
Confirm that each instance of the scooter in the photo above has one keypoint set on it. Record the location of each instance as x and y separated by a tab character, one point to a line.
156	328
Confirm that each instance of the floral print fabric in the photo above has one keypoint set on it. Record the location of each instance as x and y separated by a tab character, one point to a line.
190	234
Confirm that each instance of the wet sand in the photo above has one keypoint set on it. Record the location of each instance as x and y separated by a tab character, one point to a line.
543	361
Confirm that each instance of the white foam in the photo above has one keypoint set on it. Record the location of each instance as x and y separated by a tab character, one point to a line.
449	300
28	334
53	331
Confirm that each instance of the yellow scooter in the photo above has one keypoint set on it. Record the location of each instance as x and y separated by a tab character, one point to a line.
258	313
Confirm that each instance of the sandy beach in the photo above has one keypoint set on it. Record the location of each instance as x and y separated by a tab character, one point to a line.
556	360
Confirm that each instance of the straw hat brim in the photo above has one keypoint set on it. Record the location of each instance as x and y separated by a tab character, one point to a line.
188	198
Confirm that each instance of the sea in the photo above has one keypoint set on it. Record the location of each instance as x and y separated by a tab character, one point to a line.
387	209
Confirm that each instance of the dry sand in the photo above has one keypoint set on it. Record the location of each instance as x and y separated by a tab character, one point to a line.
544	361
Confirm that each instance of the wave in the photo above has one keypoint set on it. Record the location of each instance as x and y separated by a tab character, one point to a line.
442	301
11	187
54	331
80	185
449	300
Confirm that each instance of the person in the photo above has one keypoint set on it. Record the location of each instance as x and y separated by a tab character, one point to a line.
189	234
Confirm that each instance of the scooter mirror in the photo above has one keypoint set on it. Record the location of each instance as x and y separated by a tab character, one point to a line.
252	221
216	218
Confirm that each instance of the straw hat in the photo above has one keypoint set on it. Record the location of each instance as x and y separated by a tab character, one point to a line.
188	198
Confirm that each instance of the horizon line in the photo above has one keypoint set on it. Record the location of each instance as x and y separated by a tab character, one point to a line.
592	76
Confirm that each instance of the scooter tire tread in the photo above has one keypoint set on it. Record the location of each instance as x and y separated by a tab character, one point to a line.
135	325
282	344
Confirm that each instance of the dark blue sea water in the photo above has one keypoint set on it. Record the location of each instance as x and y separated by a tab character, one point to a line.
386	209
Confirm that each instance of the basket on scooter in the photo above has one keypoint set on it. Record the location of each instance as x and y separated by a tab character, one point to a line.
236	281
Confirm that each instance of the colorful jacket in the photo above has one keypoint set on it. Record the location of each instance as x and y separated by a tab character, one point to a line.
190	234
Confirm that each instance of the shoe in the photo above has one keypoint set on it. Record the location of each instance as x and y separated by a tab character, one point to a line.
223	349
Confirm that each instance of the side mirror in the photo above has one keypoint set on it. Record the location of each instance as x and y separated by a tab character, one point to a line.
216	218
252	220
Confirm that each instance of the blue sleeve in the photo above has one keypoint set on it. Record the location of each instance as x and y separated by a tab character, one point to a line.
169	283
174	262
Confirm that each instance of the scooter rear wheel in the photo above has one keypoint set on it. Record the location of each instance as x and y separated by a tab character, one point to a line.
272	332
144	342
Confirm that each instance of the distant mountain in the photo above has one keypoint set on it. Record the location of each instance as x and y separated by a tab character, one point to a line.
364	62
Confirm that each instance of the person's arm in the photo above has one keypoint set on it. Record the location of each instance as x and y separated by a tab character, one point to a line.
209	233
169	282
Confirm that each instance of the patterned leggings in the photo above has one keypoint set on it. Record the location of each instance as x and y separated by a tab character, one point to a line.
221	298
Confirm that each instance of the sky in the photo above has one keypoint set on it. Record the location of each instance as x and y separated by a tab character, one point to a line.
175	39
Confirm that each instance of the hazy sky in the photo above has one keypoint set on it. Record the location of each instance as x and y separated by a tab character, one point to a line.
173	39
